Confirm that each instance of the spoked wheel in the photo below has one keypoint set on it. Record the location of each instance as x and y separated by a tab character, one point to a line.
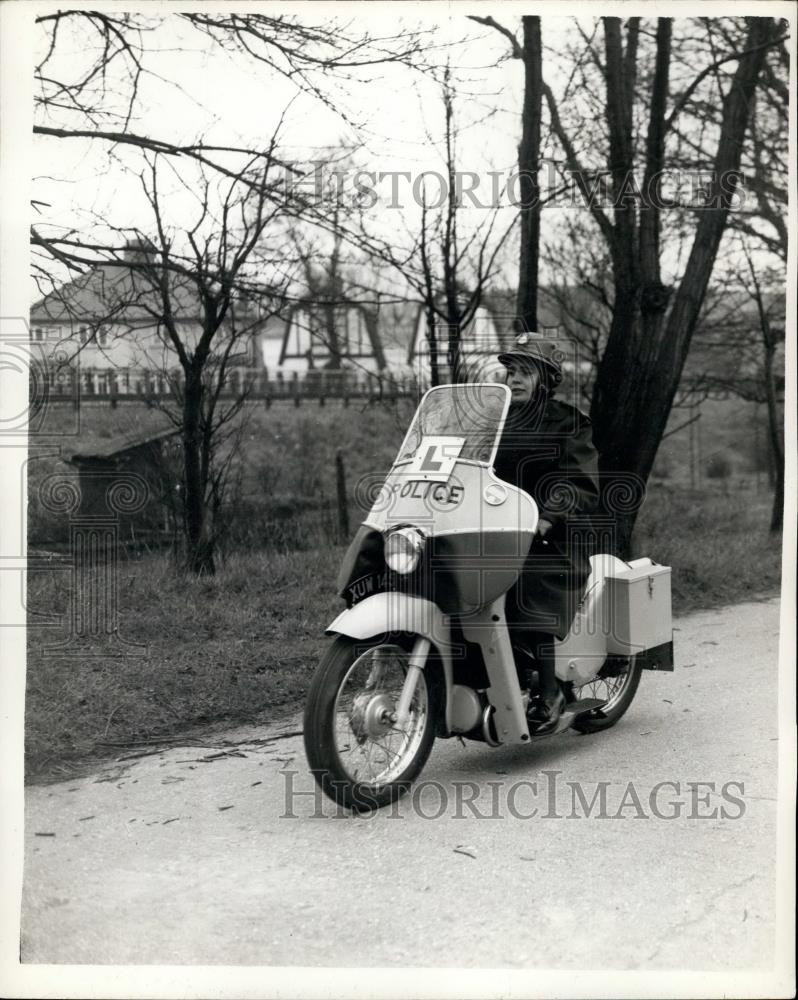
616	685
360	754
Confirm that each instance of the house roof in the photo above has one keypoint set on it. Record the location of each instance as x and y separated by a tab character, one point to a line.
116	293
120	445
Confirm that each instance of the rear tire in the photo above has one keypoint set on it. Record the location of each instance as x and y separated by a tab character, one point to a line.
618	693
358	756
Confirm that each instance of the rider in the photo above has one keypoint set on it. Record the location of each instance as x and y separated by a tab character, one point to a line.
546	449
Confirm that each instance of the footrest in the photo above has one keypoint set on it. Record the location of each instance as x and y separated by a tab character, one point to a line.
585	705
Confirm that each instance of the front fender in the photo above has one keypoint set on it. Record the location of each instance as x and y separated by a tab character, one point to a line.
394	612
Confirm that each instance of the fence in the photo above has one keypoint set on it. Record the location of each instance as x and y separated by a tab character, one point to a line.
127	385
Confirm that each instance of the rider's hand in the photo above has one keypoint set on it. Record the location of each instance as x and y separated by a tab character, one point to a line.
544	527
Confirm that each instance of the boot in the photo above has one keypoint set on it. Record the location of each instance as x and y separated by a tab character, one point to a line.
545	711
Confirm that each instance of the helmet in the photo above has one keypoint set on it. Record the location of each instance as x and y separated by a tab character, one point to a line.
531	348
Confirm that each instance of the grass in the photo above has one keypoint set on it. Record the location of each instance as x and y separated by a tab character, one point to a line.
233	648
286	462
241	647
717	542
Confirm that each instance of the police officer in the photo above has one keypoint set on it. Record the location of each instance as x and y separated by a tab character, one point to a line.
546	449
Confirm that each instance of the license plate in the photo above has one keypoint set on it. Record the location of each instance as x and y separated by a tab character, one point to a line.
366	586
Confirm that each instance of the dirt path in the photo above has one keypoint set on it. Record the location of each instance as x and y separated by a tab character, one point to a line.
201	855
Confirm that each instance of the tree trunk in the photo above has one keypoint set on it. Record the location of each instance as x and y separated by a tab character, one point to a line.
528	170
331	335
199	555
653	294
613	391
774	433
432	345
777	512
453	349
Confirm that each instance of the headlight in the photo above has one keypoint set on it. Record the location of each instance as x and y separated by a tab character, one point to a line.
403	548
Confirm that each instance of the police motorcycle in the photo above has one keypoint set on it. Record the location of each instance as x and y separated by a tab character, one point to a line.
423	649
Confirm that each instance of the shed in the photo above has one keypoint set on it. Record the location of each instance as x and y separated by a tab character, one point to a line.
134	479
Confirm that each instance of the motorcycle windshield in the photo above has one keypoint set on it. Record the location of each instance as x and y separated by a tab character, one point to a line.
455	423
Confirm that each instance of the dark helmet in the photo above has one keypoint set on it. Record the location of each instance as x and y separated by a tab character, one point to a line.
532	349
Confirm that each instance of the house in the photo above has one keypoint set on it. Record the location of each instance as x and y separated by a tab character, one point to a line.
392	336
318	335
371	337
111	316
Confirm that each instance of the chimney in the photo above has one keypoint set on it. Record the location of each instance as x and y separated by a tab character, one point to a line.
139	251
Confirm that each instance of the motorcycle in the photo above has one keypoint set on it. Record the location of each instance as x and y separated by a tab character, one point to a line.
423	649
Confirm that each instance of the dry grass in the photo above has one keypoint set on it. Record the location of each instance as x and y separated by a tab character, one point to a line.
717	542
237	647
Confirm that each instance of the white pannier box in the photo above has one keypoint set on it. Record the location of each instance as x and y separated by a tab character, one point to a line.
638	607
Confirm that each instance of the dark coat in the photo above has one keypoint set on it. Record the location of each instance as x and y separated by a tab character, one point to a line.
547	450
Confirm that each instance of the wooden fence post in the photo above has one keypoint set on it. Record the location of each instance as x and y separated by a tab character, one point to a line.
295	387
341	497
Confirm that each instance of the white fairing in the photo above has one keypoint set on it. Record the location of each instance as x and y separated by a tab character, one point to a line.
582	653
393	612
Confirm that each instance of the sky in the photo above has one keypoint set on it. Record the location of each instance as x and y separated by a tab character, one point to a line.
194	89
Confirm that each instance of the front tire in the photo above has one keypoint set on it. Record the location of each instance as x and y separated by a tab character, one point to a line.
616	691
357	754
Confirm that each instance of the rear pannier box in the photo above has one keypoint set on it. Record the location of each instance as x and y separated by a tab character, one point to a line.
638	606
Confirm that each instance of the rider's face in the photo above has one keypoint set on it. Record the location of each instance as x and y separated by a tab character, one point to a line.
523	382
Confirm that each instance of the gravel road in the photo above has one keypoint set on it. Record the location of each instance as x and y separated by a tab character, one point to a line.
221	853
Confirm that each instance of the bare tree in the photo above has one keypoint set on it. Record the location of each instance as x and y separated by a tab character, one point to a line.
200	292
640	86
446	262
739	340
652	323
579	291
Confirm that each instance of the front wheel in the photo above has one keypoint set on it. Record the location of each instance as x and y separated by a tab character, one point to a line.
358	754
616	685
